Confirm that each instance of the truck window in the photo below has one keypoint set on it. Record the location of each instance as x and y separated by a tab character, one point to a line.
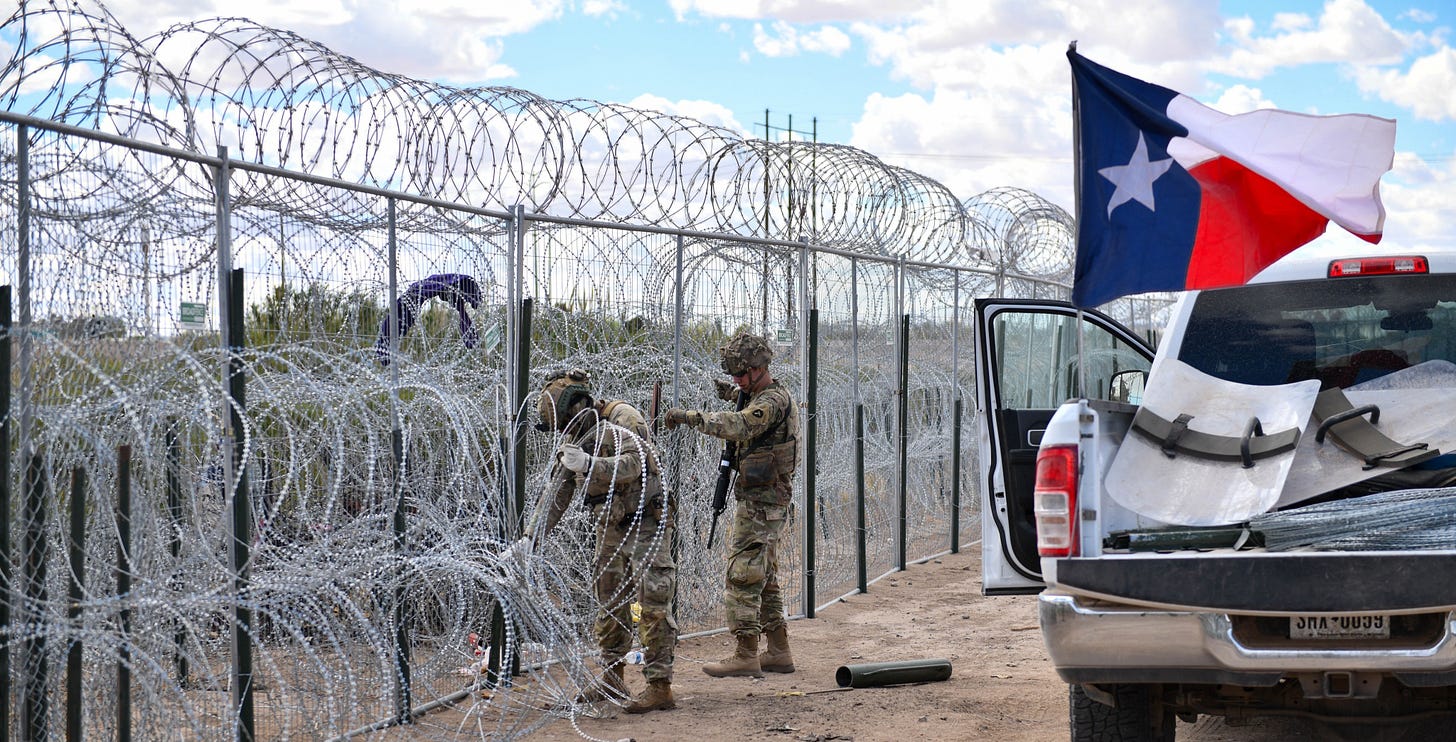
1037	359
1339	331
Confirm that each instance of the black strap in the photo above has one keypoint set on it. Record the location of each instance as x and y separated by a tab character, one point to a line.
1175	437
1175	434
1346	426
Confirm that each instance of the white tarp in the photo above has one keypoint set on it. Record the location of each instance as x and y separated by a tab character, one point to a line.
1417	405
1192	491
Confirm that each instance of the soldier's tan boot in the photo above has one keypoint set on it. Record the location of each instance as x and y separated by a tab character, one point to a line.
609	687
776	656
657	697
742	663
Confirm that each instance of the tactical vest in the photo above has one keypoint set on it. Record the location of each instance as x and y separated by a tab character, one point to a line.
766	465
639	495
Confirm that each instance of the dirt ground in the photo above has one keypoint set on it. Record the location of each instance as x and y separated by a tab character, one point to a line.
1002	687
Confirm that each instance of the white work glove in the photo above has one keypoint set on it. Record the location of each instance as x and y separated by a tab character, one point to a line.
572	457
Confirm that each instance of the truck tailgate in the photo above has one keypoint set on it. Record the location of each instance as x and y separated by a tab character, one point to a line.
1256	582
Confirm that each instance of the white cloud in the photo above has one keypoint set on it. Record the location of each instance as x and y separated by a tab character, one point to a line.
1420	203
1419	16
716	8
596	8
145	17
44	73
996	103
1290	22
971	142
463	37
948	44
1241	99
798	11
827	40
781	45
1416	88
707	112
1347	31
787	41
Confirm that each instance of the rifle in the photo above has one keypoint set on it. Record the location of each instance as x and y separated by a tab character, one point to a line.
652	413
725	474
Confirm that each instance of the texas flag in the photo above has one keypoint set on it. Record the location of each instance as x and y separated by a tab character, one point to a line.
1174	195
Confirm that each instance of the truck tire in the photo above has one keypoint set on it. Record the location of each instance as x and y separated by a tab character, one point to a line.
1138	716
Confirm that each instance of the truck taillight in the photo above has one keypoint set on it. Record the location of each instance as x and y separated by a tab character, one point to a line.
1055	501
1383	266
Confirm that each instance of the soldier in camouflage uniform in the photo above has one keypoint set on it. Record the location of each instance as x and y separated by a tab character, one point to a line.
608	455
766	430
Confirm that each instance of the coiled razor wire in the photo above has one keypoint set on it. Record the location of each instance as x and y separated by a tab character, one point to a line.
274	98
1402	520
119	236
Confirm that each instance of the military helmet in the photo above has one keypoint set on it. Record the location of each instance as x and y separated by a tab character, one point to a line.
563	389
744	351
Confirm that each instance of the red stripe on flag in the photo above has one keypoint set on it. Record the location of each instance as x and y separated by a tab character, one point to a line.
1245	222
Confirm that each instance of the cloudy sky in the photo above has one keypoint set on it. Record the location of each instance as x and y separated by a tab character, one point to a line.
973	93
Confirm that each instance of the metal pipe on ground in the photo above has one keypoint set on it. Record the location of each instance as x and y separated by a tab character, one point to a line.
875	674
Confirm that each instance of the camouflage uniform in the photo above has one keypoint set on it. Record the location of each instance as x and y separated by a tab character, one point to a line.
767	433
634	529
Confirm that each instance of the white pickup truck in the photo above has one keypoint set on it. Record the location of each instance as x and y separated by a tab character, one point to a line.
1161	594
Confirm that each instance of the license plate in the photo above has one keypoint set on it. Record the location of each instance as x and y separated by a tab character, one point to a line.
1339	627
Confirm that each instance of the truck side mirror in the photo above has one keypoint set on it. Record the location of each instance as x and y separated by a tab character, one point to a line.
1127	386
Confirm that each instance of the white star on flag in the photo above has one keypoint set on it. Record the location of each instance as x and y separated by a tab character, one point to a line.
1134	180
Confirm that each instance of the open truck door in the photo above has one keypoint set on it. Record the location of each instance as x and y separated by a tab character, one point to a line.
1026	367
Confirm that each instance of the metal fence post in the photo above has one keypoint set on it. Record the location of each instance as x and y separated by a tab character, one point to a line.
522	374
676	465
6	572
677	325
77	582
242	514
520	371
29	706
955	432
23	273
902	415
230	326
35	722
811	465
174	540
402	680
809	328
861	529
123	592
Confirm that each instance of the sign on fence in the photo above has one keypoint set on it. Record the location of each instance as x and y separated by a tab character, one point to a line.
192	315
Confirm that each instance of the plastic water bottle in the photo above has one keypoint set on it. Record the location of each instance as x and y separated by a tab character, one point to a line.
634	657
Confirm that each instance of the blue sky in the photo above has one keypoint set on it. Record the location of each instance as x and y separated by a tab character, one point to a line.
973	93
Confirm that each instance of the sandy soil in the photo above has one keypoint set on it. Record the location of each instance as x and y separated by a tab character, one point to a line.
1002	687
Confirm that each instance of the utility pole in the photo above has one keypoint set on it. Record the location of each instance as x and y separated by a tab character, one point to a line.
795	208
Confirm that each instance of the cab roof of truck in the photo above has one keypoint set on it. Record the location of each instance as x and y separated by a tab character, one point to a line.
1312	262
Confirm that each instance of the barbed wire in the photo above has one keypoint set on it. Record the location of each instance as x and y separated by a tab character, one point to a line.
275	98
121	235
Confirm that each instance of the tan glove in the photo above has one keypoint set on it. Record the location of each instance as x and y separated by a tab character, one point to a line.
572	457
727	390
678	416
